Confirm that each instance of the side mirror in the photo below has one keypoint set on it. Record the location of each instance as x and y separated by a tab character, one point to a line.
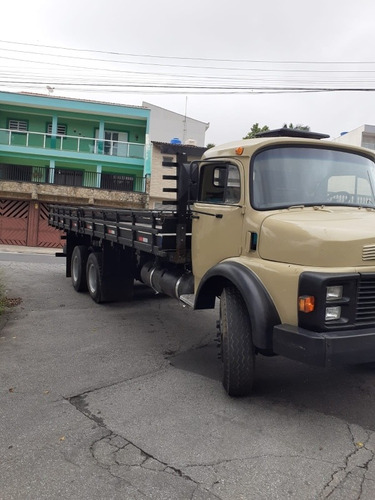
193	181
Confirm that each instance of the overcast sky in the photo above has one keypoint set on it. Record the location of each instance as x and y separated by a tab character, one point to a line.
231	64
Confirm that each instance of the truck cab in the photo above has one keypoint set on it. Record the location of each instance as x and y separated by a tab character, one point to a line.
283	232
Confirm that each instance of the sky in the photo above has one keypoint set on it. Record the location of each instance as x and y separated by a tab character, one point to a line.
231	64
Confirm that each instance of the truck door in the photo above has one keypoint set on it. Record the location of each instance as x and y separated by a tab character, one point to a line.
217	215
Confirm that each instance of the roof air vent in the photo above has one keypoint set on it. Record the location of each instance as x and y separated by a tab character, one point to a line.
292	132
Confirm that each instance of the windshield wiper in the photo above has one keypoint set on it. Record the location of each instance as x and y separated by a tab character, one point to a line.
323	208
295	206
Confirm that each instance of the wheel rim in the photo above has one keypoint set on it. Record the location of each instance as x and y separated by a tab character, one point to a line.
92	279
75	273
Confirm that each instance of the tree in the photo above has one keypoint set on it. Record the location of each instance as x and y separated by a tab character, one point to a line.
210	145
255	129
297	127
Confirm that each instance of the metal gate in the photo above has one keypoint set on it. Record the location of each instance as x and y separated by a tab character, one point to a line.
25	223
13	222
47	235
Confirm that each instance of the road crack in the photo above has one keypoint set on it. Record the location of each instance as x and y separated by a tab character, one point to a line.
72	399
216	463
120	456
353	470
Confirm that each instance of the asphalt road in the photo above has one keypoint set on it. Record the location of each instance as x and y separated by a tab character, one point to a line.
124	401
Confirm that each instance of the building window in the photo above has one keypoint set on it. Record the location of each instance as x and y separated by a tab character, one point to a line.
21	173
65	177
20	125
168	159
61	129
117	182
115	143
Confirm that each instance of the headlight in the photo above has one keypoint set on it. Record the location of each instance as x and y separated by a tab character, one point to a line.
333	313
334	293
335	300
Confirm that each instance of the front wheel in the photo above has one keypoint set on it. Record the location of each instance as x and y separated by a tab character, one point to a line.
237	350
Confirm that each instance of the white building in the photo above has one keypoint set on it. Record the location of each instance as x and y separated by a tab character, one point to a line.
166	152
171	133
167	125
363	136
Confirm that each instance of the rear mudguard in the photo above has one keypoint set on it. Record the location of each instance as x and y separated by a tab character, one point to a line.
262	311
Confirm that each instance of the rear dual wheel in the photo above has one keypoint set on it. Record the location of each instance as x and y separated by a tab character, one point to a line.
86	272
116	283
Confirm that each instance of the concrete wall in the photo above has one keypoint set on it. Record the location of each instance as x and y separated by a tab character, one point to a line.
71	195
156	182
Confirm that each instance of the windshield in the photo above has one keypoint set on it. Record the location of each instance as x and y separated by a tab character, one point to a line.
288	176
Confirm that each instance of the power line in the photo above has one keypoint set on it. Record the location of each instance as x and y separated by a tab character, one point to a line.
216	68
212	89
116	53
38	73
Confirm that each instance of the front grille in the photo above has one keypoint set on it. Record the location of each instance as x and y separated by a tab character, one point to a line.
365	312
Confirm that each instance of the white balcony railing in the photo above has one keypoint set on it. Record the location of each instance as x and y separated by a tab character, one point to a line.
78	144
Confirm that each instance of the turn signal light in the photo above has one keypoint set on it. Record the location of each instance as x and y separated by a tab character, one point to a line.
239	150
306	303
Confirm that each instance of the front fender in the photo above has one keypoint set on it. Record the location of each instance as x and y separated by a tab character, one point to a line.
262	311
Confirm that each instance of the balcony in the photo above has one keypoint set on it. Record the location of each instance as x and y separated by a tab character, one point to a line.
73	178
76	144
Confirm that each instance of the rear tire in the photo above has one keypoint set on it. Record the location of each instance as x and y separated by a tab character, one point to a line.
78	268
94	276
112	285
237	350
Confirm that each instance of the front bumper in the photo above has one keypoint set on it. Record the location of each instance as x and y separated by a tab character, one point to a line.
325	348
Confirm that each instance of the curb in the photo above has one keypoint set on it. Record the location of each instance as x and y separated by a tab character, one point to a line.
24	249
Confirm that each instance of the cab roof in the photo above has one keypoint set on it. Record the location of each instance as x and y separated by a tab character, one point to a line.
247	147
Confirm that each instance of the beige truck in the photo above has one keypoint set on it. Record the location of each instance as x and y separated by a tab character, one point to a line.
279	231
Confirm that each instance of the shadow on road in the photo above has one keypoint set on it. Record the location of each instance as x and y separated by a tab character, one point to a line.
346	392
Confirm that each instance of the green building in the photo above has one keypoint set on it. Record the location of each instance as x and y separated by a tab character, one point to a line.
58	150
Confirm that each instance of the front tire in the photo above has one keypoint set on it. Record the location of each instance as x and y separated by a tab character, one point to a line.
237	349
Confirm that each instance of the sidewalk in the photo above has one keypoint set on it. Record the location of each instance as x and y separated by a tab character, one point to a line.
24	249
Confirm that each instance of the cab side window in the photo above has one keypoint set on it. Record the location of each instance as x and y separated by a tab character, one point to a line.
220	183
